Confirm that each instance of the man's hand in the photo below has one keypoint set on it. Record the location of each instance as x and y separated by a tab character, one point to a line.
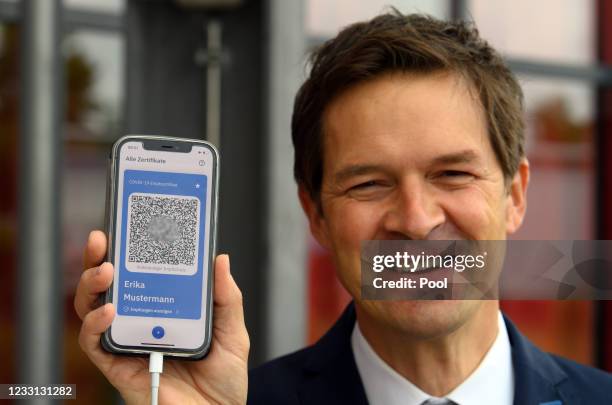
221	377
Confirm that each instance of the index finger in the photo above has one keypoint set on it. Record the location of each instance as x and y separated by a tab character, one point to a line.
95	250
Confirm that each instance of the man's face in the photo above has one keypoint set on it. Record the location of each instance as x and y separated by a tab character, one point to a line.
408	157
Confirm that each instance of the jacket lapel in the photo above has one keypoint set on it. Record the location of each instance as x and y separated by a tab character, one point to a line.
330	374
538	380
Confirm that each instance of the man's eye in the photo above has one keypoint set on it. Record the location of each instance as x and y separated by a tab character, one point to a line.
364	185
368	190
455	173
456	176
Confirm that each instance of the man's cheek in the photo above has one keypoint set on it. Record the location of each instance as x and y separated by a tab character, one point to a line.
348	230
348	268
474	215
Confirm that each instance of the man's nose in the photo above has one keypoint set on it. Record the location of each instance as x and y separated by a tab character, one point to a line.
414	212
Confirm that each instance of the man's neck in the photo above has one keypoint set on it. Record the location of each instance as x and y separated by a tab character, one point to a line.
435	365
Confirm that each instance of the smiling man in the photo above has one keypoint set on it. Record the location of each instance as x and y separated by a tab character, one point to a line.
411	128
407	128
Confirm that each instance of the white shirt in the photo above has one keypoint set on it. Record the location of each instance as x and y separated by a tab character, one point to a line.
491	383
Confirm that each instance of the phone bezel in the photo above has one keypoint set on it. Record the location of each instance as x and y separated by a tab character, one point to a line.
107	342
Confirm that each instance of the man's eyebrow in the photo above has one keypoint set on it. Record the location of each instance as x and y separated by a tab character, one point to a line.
355	170
466	156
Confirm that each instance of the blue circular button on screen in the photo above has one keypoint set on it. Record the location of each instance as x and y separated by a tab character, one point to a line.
158	332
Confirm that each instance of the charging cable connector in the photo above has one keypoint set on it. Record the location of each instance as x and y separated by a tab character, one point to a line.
156	367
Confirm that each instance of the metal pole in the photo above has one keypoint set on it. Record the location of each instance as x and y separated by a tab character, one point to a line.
459	10
213	83
286	280
40	298
602	310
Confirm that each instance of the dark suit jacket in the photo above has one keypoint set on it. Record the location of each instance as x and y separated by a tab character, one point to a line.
326	373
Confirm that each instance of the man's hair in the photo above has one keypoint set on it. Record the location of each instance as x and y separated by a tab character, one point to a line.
414	43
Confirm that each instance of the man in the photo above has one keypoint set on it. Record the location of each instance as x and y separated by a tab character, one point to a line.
407	128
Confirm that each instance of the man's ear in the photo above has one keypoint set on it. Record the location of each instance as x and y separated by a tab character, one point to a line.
517	198
316	221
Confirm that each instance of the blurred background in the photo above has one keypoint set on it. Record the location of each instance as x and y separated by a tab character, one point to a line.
77	74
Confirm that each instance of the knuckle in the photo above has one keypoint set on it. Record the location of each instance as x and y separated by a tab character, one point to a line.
76	305
86	277
239	298
247	340
238	295
81	338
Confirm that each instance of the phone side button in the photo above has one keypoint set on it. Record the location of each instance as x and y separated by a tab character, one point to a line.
158	332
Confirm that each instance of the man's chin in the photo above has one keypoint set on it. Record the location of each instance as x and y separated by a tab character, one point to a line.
423	319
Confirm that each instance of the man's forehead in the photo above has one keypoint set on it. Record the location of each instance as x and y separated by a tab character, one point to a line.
431	115
394	85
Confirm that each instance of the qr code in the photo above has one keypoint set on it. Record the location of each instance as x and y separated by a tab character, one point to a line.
162	229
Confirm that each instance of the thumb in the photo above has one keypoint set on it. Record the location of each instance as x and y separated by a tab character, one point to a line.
228	313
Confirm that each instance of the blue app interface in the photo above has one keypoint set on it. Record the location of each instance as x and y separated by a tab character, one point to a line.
162	244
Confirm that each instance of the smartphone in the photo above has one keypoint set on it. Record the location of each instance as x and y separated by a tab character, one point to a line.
162	222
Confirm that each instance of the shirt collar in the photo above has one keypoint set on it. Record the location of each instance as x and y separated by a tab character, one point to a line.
492	382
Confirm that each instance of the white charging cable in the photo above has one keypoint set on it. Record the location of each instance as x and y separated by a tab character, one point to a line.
156	367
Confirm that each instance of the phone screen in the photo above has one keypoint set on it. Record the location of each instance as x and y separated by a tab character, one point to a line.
161	246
